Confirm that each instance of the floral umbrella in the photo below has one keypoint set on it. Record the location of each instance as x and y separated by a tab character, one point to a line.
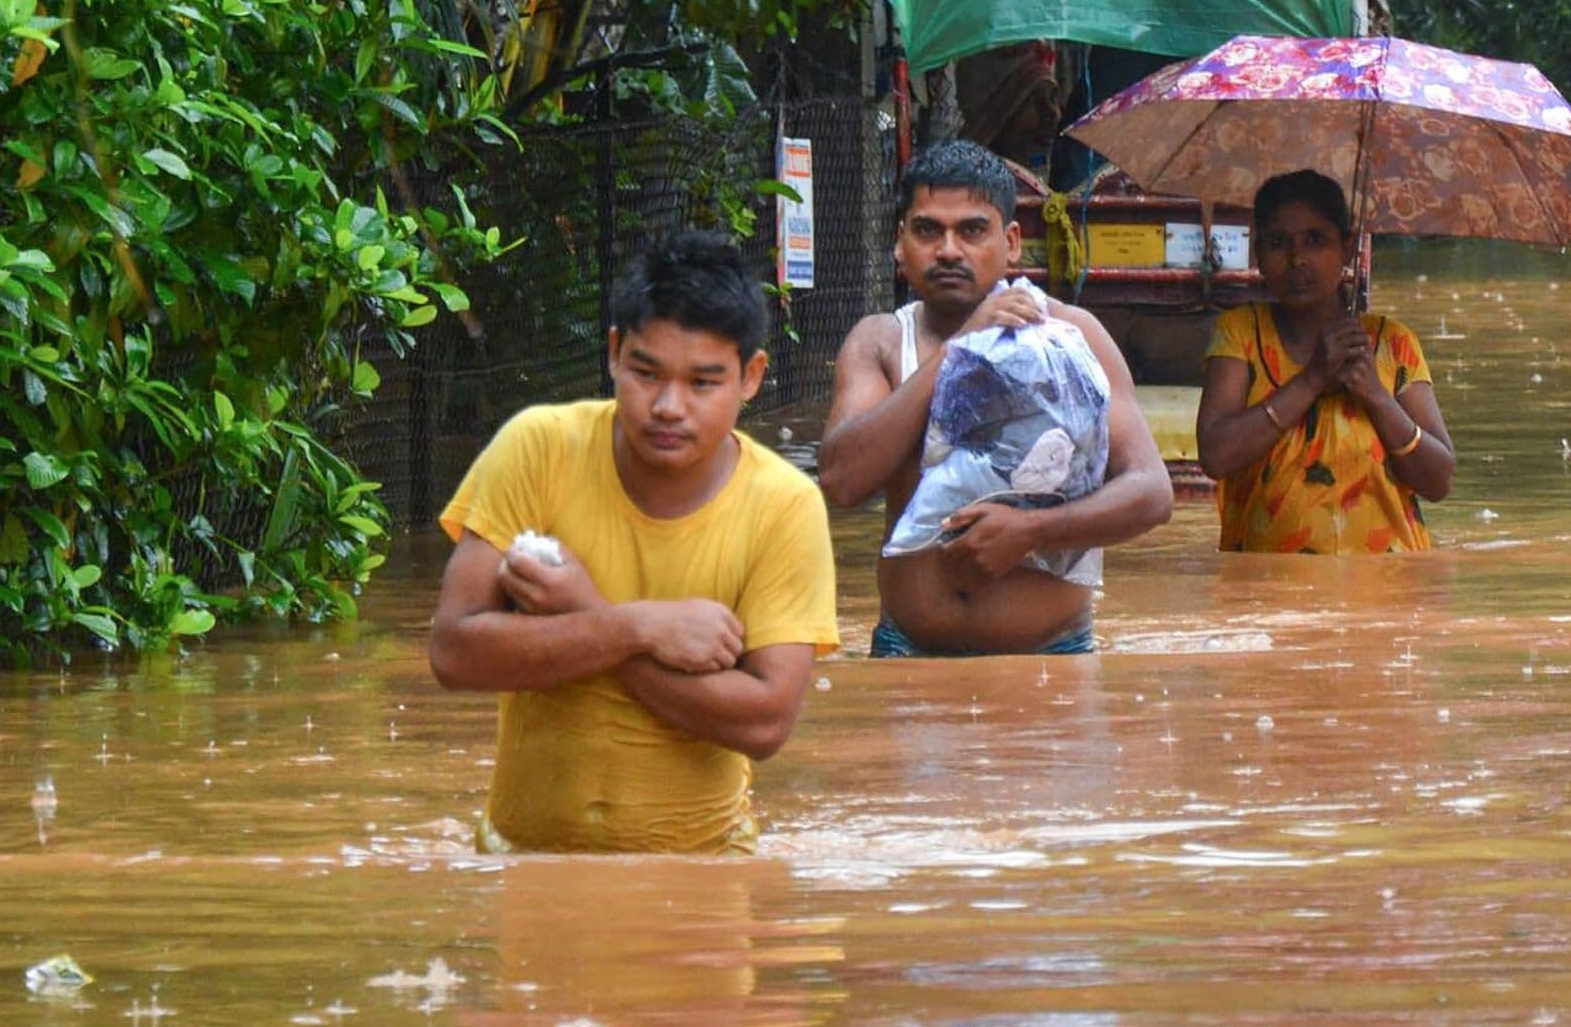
1425	141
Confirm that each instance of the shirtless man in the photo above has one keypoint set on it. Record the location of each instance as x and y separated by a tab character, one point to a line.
956	239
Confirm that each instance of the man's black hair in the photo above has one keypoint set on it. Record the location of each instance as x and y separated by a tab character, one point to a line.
961	164
1323	195
698	280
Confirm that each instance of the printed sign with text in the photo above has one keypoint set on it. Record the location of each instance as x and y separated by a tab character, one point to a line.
794	218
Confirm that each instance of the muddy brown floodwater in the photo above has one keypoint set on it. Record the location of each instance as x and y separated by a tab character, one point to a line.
1286	791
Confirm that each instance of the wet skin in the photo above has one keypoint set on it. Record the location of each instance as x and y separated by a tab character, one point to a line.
969	594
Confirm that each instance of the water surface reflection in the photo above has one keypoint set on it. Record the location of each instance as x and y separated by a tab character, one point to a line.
1286	792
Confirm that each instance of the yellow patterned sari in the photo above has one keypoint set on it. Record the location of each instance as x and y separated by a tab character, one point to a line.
1326	486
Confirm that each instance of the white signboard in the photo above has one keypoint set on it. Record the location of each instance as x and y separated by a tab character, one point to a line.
1232	242
794	219
1185	246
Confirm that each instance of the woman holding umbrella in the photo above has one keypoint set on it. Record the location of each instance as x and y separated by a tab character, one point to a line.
1320	426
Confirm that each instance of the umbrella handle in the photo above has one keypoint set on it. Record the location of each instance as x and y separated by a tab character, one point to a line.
1359	202
1358	294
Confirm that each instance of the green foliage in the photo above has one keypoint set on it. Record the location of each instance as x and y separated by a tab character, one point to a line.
197	261
753	20
1515	30
210	233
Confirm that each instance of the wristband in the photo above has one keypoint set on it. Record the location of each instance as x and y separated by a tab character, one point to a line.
1276	422
1412	444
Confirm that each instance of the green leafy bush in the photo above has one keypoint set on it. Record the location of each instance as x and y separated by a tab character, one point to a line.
197	256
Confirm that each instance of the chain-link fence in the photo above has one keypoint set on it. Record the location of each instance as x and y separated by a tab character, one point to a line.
584	198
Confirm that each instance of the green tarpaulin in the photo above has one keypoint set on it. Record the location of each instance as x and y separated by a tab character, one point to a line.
939	31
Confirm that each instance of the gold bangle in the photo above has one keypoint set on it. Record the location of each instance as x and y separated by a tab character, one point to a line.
1276	422
1412	444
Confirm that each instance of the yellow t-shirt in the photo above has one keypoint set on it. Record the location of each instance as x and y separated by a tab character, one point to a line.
1326	486
585	766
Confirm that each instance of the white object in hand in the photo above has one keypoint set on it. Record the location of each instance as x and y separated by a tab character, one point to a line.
541	547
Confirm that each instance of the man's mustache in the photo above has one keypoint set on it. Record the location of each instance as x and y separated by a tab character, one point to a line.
949	271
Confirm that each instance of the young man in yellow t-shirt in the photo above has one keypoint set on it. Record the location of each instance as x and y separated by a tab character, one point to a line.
673	643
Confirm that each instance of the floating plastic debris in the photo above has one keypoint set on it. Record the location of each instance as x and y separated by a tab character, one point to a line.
437	977
57	975
45	801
